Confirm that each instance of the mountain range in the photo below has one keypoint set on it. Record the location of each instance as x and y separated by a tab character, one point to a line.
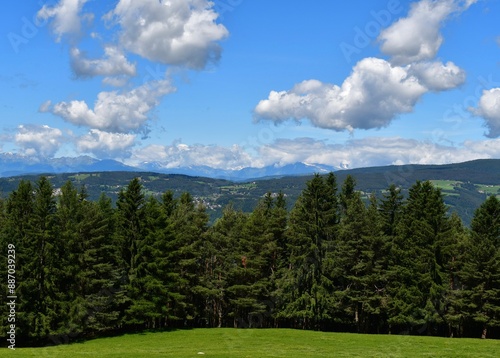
14	164
465	185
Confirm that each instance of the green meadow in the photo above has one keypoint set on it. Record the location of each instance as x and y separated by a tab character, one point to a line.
226	343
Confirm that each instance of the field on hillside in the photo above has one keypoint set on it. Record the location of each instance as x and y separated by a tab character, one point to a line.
231	343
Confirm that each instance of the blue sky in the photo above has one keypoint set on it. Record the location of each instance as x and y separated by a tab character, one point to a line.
239	83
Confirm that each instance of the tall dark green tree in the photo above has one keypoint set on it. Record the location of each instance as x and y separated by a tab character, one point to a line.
18	231
455	253
129	232
149	288
189	222
305	286
418	280
221	260
480	274
355	258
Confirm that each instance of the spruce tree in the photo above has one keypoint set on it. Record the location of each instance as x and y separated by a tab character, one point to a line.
189	225
149	288
18	231
305	285
221	260
480	274
418	280
129	233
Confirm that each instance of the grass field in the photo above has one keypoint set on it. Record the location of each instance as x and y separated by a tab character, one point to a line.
264	343
447	185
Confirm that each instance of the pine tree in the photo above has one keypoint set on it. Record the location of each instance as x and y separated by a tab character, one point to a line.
42	267
129	233
480	274
418	281
69	271
254	280
305	285
221	258
18	231
149	287
455	254
390	210
189	225
356	255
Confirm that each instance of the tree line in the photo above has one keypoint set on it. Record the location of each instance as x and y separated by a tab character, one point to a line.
398	265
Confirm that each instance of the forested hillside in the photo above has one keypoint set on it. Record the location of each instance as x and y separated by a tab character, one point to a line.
465	185
399	265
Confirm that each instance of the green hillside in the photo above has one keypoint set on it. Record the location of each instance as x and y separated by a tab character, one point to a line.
465	185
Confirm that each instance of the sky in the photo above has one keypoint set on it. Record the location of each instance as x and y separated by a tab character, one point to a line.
250	83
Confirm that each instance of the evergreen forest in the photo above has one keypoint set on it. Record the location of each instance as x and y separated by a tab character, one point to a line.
396	265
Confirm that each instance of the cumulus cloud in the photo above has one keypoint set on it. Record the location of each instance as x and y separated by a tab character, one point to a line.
488	107
66	17
375	151
181	155
417	37
114	63
115	111
174	32
40	141
377	91
370	97
437	76
105	144
355	153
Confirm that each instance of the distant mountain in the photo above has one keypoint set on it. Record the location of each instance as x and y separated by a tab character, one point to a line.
14	164
249	173
465	185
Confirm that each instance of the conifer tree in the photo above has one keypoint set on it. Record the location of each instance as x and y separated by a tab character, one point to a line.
305	286
149	288
480	274
18	231
221	259
189	224
42	266
129	233
418	281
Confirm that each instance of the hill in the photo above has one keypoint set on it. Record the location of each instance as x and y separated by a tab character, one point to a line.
465	185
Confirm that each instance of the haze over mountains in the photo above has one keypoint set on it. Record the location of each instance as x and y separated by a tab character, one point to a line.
12	165
464	185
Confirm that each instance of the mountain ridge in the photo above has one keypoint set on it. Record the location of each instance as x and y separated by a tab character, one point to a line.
14	165
464	185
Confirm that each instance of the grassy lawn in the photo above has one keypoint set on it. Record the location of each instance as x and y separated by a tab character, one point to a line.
265	343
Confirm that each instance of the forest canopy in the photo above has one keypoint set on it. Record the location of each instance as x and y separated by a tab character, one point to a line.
399	265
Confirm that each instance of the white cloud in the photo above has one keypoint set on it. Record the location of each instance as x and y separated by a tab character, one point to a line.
370	97
488	107
375	151
114	63
417	37
41	141
437	76
105	144
66	17
116	81
182	155
115	111
377	91
355	153
177	32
